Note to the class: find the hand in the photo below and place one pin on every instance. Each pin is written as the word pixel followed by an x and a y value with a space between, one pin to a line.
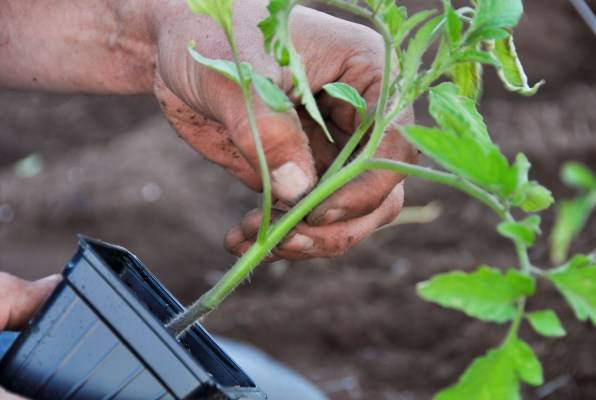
pixel 208 111
pixel 19 300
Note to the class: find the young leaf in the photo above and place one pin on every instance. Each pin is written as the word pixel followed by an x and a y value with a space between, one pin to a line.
pixel 348 94
pixel 572 216
pixel 578 176
pixel 271 95
pixel 497 374
pixel 455 112
pixel 526 363
pixel 468 77
pixel 546 323
pixel 409 24
pixel 467 156
pixel 219 10
pixel 394 17
pixel 224 67
pixel 276 34
pixel 486 293
pixel 511 70
pixel 417 46
pixel 275 28
pixel 576 281
pixel 477 56
pixel 519 232
pixel 493 19
pixel 533 197
pixel 453 26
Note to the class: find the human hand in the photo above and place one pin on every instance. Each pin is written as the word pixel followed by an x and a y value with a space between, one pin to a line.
pixel 19 300
pixel 208 111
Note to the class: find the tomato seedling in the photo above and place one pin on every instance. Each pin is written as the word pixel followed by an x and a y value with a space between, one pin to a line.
pixel 469 39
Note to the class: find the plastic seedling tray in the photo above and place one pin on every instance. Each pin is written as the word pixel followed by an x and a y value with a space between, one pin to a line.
pixel 101 335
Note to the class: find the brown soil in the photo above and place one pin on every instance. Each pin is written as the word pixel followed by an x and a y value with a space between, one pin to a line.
pixel 113 169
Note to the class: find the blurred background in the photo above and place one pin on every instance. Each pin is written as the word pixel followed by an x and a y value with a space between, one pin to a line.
pixel 111 167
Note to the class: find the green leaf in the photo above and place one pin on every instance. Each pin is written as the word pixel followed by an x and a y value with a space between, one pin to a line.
pixel 409 24
pixel 275 30
pixel 572 216
pixel 468 77
pixel 526 363
pixel 486 293
pixel 578 176
pixel 477 56
pixel 276 34
pixel 394 17
pixel 497 374
pixel 467 156
pixel 223 67
pixel 272 95
pixel 493 19
pixel 417 46
pixel 511 70
pixel 576 281
pixel 490 377
pixel 523 232
pixel 348 94
pixel 533 197
pixel 453 26
pixel 457 113
pixel 219 10
pixel 546 323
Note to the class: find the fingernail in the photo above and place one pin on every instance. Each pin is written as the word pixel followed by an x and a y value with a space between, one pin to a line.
pixel 298 242
pixel 332 215
pixel 52 279
pixel 290 181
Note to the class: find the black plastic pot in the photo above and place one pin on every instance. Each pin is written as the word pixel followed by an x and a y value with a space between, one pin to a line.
pixel 101 335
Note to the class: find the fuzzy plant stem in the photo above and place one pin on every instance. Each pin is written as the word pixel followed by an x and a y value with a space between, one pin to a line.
pixel 248 262
pixel 264 169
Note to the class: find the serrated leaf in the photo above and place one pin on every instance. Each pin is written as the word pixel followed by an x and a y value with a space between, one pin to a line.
pixel 493 19
pixel 578 176
pixel 519 232
pixel 276 34
pixel 497 374
pixel 577 283
pixel 546 323
pixel 348 94
pixel 223 67
pixel 482 163
pixel 510 69
pixel 572 216
pixel 219 10
pixel 455 112
pixel 417 46
pixel 486 293
pixel 410 23
pixel 271 95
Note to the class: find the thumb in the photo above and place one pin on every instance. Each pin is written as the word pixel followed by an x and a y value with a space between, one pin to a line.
pixel 285 144
pixel 20 299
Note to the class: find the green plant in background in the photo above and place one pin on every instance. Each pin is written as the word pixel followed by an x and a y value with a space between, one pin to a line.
pixel 469 38
pixel 573 214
